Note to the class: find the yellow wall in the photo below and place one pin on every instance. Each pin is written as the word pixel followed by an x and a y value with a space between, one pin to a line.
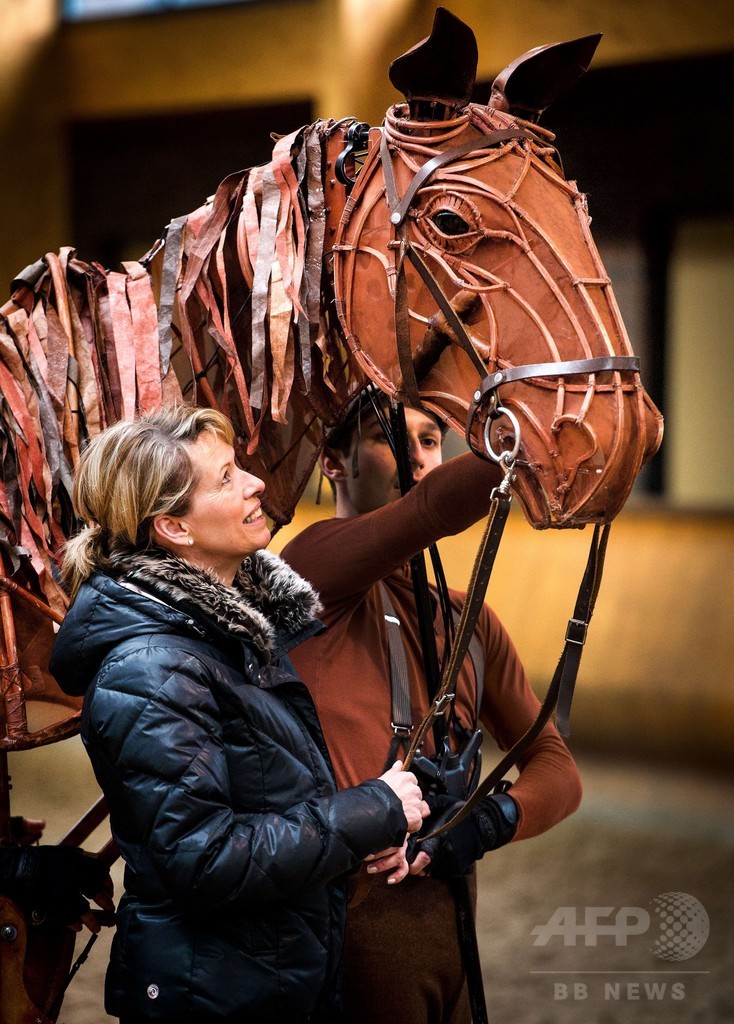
pixel 700 436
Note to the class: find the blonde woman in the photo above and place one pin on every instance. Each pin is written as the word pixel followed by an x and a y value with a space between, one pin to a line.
pixel 205 743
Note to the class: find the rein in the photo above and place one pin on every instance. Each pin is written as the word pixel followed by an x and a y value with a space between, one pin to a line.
pixel 481 572
pixel 561 688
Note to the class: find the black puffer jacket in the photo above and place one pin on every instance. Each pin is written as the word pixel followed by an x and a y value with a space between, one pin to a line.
pixel 221 796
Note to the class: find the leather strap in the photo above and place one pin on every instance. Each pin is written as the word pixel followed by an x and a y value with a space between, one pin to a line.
pixel 499 509
pixel 467 933
pixel 570 368
pixel 578 626
pixel 391 189
pixel 399 208
pixel 561 686
pixel 445 306
pixel 402 324
pixel 401 713
pixel 418 573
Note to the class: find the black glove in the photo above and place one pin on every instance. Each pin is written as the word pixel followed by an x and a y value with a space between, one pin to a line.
pixel 492 824
pixel 52 879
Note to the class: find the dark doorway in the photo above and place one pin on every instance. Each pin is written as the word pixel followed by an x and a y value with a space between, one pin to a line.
pixel 132 175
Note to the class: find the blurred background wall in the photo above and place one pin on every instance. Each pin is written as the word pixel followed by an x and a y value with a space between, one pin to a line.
pixel 112 126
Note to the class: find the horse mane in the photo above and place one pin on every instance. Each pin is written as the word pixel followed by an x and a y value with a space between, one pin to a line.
pixel 252 259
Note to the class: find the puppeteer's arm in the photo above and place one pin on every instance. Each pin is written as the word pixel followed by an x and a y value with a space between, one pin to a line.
pixel 342 557
pixel 548 787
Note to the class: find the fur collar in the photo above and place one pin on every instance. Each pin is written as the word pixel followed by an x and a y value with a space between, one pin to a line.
pixel 267 597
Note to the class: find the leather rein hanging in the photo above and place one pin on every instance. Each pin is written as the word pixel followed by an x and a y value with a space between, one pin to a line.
pixel 560 691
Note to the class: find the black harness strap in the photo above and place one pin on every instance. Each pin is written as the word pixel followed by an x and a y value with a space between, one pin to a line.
pixel 417 562
pixel 401 713
pixel 54 1007
pixel 578 626
pixel 467 932
pixel 476 654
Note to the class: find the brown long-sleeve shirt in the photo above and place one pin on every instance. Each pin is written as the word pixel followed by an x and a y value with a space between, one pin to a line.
pixel 347 667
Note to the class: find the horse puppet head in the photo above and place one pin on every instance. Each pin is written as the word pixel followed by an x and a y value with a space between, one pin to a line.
pixel 467 281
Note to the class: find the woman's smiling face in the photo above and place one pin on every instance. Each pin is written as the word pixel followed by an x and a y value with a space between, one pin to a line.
pixel 225 521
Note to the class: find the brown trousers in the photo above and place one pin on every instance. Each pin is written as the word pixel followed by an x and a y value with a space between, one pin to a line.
pixel 402 960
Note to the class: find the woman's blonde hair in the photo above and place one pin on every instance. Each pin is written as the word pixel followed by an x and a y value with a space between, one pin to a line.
pixel 129 474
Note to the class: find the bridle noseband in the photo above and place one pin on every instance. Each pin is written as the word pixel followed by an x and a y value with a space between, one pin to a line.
pixel 487 392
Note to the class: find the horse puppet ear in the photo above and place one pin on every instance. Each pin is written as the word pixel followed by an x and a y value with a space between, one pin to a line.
pixel 437 75
pixel 534 81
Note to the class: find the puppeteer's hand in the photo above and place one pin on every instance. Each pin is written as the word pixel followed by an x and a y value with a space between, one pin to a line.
pixel 421 864
pixel 93 921
pixel 405 786
pixel 55 880
pixel 492 824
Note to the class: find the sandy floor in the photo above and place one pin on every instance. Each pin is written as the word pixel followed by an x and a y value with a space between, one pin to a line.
pixel 641 833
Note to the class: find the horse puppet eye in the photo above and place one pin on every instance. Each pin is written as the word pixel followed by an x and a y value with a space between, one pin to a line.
pixel 451 222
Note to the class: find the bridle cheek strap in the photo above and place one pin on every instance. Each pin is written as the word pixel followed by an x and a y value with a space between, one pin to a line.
pixel 398 211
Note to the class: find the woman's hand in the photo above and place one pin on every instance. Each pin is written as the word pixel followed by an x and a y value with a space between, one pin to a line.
pixel 405 786
pixel 94 920
pixel 393 858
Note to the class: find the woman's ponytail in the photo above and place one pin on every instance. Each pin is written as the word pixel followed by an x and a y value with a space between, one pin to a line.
pixel 83 555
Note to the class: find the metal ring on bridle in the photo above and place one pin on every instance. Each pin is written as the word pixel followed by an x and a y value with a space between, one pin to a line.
pixel 505 457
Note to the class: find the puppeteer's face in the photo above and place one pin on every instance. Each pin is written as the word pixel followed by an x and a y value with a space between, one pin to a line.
pixel 377 483
pixel 225 521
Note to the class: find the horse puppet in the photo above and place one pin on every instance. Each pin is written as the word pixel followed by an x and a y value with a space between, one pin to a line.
pixel 443 257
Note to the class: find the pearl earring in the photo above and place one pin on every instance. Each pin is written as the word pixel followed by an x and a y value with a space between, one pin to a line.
pixel 191 540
